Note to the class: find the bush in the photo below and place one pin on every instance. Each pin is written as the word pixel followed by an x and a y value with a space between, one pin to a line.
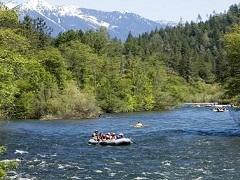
pixel 6 165
pixel 72 103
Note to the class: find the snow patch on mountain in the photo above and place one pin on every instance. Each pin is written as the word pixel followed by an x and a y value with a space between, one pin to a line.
pixel 11 5
pixel 39 5
pixel 68 11
pixel 63 18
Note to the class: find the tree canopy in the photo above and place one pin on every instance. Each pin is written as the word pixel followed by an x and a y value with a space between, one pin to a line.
pixel 78 72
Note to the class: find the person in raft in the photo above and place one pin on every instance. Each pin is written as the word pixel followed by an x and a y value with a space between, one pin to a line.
pixel 95 135
pixel 139 124
pixel 106 137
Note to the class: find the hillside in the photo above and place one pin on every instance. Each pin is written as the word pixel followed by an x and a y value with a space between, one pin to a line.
pixel 61 19
pixel 79 74
pixel 192 50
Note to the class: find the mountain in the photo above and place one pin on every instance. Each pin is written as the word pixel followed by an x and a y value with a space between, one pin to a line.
pixel 167 23
pixel 62 18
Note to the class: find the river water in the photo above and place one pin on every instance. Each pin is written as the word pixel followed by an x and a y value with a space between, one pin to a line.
pixel 186 143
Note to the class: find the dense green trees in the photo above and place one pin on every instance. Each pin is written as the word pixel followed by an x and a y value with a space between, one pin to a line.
pixel 33 73
pixel 193 50
pixel 120 79
pixel 232 46
pixel 79 74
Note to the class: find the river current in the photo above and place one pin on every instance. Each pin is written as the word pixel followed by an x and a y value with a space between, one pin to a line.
pixel 185 143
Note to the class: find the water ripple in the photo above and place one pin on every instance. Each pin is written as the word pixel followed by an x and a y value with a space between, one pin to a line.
pixel 187 143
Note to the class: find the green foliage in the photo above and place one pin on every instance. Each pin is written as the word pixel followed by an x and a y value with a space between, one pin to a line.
pixel 77 74
pixel 194 51
pixel 6 165
pixel 8 18
pixel 2 150
pixel 82 63
pixel 53 62
pixel 232 46
pixel 36 31
pixel 72 103
pixel 202 92
pixel 12 41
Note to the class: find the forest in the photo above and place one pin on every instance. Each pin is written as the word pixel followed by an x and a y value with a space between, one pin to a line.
pixel 82 74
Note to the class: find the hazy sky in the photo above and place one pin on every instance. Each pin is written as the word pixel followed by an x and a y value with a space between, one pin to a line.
pixel 156 9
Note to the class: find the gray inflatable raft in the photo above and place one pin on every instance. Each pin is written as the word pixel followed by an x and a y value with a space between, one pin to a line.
pixel 115 142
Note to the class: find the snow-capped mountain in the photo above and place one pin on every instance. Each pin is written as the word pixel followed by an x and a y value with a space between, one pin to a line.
pixel 62 18
pixel 167 23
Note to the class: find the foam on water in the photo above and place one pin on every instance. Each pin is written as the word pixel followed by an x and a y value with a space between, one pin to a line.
pixel 20 152
pixel 88 177
pixel 229 169
pixel 98 171
pixel 108 169
pixel 118 163
pixel 140 178
pixel 112 174
pixel 75 177
pixel 166 163
pixel 199 178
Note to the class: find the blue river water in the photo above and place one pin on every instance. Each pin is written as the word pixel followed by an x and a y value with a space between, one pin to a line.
pixel 185 143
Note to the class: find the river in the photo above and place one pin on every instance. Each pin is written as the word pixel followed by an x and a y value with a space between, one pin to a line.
pixel 186 143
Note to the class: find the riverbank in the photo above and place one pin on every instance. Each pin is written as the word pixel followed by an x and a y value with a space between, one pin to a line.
pixel 52 117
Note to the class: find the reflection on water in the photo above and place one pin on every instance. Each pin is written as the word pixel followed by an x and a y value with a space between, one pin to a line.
pixel 188 143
